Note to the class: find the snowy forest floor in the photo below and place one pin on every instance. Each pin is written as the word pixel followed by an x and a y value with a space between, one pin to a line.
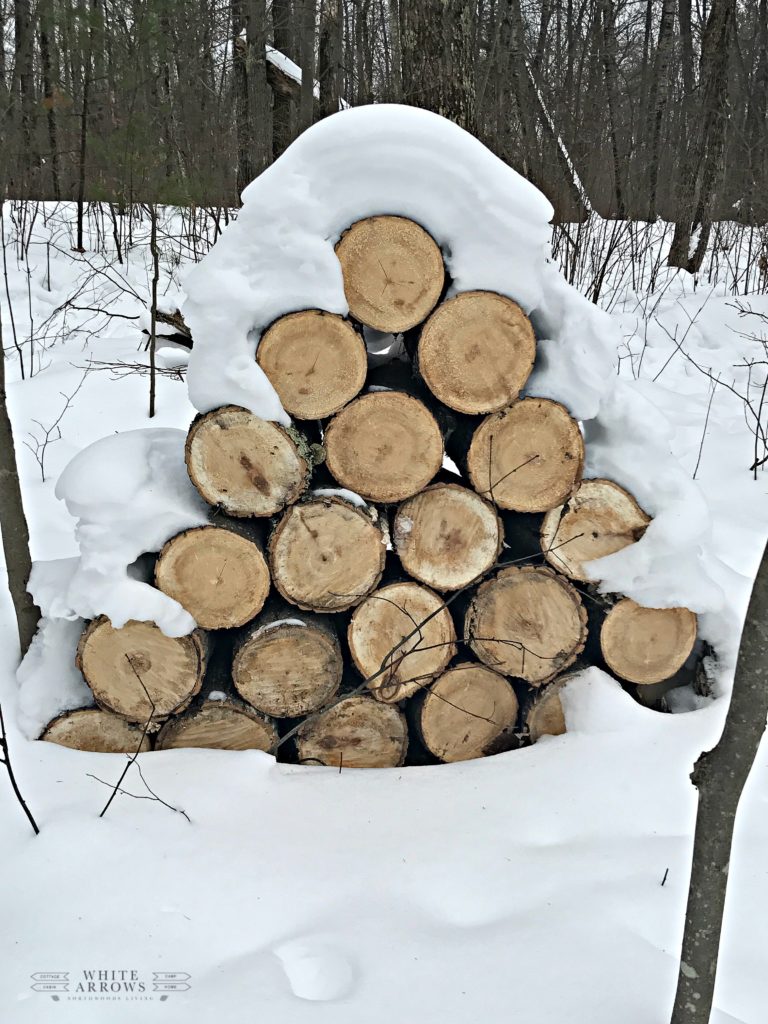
pixel 547 884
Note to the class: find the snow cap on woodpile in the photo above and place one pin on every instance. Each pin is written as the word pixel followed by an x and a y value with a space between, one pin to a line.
pixel 491 224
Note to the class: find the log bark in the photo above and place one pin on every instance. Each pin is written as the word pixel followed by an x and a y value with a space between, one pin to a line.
pixel 131 668
pixel 384 446
pixel 358 732
pixel 597 520
pixel 393 272
pixel 96 730
pixel 326 554
pixel 220 577
pixel 470 711
pixel 528 457
pixel 287 663
pixel 476 352
pixel 527 622
pixel 447 536
pixel 646 645
pixel 245 465
pixel 316 362
pixel 381 623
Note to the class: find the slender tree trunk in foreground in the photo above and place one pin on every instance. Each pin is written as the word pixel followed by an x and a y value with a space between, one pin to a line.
pixel 720 775
pixel 153 324
pixel 13 523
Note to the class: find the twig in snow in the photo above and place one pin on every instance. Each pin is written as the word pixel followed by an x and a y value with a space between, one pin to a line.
pixel 6 760
pixel 133 758
pixel 706 421
pixel 49 435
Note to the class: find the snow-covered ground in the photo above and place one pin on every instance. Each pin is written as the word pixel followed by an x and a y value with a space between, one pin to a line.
pixel 543 885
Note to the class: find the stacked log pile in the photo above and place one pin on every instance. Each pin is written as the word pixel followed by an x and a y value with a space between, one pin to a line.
pixel 362 601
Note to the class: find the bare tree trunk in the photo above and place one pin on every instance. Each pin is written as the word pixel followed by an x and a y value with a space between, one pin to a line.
pixel 438 58
pixel 704 154
pixel 282 101
pixel 249 22
pixel 13 524
pixel 307 59
pixel 659 94
pixel 24 73
pixel 329 62
pixel 720 775
pixel 608 16
pixel 81 167
pixel 49 101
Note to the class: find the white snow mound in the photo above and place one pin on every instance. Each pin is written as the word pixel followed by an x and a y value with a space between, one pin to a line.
pixel 129 493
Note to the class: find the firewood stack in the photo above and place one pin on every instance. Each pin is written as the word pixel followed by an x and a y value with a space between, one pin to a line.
pixel 358 603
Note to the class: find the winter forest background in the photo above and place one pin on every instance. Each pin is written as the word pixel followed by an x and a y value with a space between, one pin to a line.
pixel 634 108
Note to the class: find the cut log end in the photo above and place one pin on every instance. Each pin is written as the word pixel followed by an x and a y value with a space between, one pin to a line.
pixel 135 667
pixel 647 645
pixel 447 536
pixel 98 731
pixel 599 519
pixel 476 352
pixel 316 362
pixel 545 715
pixel 528 623
pixel 288 668
pixel 326 555
pixel 528 458
pixel 469 711
pixel 245 465
pixel 386 618
pixel 393 272
pixel 385 446
pixel 358 732
pixel 221 725
pixel 219 577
